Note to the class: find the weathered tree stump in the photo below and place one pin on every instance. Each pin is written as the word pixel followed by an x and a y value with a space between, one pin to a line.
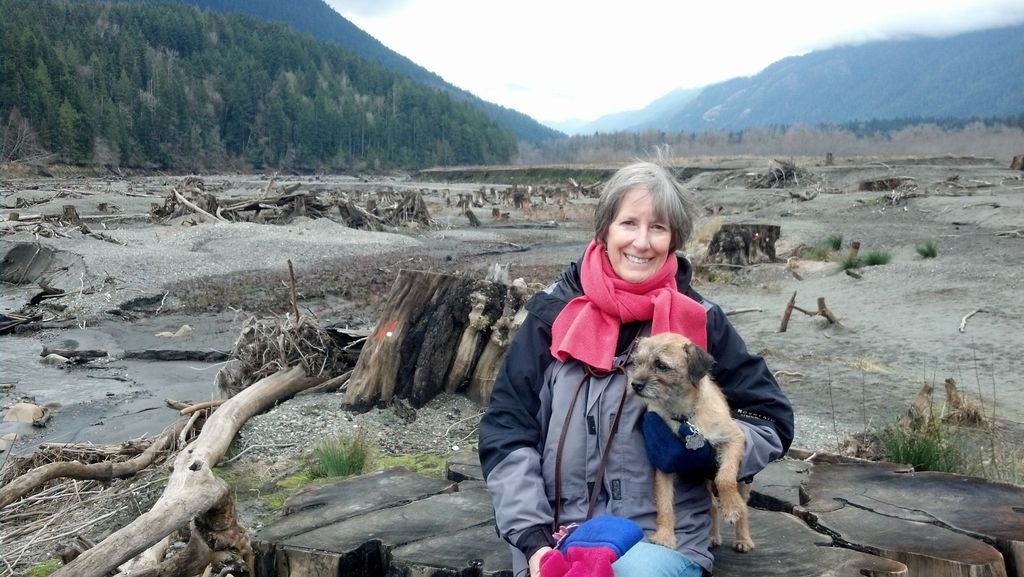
pixel 391 522
pixel 937 524
pixel 486 307
pixel 512 316
pixel 437 332
pixel 410 351
pixel 786 547
pixel 744 244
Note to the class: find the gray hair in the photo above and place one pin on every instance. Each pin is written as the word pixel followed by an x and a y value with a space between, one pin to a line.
pixel 671 201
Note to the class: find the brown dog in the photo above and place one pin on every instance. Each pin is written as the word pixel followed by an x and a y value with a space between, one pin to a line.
pixel 670 374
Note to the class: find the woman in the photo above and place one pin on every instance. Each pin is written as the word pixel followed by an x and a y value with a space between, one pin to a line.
pixel 562 427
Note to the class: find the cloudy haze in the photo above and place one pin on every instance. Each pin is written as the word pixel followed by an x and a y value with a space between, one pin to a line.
pixel 557 60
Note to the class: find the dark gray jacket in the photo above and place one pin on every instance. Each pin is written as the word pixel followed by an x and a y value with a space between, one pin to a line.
pixel 519 433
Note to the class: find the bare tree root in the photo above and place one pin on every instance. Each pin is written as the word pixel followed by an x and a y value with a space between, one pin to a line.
pixel 192 489
pixel 103 471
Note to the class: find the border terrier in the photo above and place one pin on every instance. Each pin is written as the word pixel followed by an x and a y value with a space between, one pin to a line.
pixel 670 374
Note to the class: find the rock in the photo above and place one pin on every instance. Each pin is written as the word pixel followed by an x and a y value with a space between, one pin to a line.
pixel 24 413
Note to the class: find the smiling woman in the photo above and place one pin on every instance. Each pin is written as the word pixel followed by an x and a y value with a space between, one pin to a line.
pixel 549 460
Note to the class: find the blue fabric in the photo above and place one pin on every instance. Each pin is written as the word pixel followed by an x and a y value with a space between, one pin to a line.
pixel 604 531
pixel 649 560
pixel 684 453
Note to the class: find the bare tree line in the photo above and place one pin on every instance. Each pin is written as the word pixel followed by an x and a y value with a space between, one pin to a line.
pixel 999 142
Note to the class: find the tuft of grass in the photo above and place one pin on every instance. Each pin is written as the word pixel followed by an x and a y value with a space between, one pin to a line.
pixel 929 249
pixel 877 257
pixel 822 252
pixel 851 262
pixel 45 568
pixel 835 241
pixel 341 456
pixel 931 447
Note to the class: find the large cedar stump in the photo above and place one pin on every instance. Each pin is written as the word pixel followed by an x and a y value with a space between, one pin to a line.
pixel 409 353
pixel 744 244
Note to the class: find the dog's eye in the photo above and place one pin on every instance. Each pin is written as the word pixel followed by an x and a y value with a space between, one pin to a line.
pixel 660 365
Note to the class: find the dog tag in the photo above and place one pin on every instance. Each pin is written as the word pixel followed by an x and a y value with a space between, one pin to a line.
pixel 694 440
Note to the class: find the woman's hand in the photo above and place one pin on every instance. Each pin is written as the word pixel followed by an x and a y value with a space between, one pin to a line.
pixel 683 452
pixel 535 561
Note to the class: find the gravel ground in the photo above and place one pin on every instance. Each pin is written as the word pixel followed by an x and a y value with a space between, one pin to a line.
pixel 899 322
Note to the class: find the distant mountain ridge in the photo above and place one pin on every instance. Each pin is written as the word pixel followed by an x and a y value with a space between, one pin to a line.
pixel 647 117
pixel 315 17
pixel 974 75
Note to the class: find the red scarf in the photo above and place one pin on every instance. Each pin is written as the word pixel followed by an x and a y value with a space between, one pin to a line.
pixel 587 329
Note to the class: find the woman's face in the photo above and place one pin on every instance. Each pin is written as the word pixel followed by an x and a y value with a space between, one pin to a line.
pixel 637 240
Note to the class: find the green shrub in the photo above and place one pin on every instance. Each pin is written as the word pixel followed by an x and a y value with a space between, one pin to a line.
pixel 850 262
pixel 341 456
pixel 877 257
pixel 929 249
pixel 834 241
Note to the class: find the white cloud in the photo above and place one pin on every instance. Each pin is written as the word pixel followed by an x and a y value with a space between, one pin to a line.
pixel 562 59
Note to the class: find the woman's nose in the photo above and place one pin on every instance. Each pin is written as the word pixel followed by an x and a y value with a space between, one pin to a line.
pixel 642 238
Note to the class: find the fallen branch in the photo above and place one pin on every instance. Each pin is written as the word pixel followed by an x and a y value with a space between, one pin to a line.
pixel 195 208
pixel 192 489
pixel 103 471
pixel 824 311
pixel 200 406
pixel 330 385
pixel 257 446
pixel 788 313
pixel 963 321
pixel 741 311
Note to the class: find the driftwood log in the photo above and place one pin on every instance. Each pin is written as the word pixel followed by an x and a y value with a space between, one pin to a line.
pixel 744 244
pixel 194 495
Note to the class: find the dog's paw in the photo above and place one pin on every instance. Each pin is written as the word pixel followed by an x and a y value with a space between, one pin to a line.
pixel 665 539
pixel 743 545
pixel 716 539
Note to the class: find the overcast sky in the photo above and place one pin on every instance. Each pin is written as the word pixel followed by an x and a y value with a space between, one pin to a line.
pixel 557 60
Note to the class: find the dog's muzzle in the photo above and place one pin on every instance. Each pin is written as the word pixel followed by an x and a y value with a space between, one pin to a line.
pixel 638 386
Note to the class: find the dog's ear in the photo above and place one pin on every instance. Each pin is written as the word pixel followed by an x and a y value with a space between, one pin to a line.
pixel 698 363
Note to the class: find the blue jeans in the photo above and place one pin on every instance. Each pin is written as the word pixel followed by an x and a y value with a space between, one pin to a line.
pixel 649 560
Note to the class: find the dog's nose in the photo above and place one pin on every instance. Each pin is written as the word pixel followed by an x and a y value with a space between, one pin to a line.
pixel 638 386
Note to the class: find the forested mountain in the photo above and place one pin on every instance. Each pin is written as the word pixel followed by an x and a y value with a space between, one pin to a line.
pixel 979 74
pixel 166 85
pixel 320 20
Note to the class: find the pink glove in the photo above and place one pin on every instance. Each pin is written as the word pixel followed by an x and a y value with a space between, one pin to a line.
pixel 588 550
pixel 579 562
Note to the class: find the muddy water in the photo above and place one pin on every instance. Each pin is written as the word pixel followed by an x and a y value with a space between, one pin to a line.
pixel 113 399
